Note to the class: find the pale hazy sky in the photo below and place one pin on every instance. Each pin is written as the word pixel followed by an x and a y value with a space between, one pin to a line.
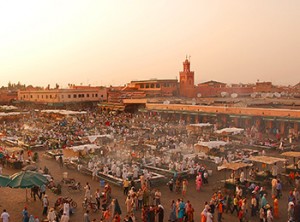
pixel 115 41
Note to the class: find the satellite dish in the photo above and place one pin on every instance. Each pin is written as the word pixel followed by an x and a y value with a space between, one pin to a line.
pixel 224 94
pixel 264 95
pixel 194 103
pixel 199 95
pixel 277 95
pixel 166 102
pixel 234 95
pixel 253 95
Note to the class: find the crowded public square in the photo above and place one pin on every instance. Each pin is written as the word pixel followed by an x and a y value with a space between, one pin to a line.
pixel 92 165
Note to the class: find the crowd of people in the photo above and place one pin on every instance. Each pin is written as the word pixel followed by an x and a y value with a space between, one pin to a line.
pixel 137 140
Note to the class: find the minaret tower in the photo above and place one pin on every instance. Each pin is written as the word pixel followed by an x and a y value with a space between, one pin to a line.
pixel 187 80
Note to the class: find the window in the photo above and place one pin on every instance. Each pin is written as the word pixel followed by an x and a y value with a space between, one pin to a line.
pixel 96 95
pixel 147 86
pixel 87 95
pixel 82 95
pixel 101 96
pixel 157 85
pixel 50 96
pixel 142 86
pixel 31 96
pixel 42 97
pixel 152 85
pixel 74 96
pixel 92 95
pixel 69 96
pixel 62 96
pixel 46 96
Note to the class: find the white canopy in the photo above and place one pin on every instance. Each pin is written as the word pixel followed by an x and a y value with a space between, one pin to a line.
pixel 64 112
pixel 10 114
pixel 84 147
pixel 94 137
pixel 201 124
pixel 212 144
pixel 5 107
pixel 232 130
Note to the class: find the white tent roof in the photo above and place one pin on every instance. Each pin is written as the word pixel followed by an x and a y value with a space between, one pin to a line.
pixel 94 137
pixel 201 124
pixel 83 147
pixel 232 130
pixel 212 144
pixel 63 112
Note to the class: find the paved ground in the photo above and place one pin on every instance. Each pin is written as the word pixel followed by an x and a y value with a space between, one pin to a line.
pixel 14 199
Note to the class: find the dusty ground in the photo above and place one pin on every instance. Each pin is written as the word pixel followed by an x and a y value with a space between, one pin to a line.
pixel 13 200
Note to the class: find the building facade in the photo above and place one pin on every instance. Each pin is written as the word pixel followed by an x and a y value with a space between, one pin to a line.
pixel 71 95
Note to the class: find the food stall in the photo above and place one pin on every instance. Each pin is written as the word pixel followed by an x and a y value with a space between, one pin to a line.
pixel 232 182
pixel 199 128
pixel 206 147
pixel 295 165
pixel 12 157
pixel 266 161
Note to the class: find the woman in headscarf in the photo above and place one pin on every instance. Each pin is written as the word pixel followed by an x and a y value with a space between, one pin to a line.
pixel 173 217
pixel 25 215
pixel 51 215
pixel 160 212
pixel 31 218
pixel 198 182
pixel 181 212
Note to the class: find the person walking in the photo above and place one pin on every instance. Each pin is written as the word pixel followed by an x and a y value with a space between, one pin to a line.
pixel 160 213
pixel 25 215
pixel 45 205
pixel 64 218
pixel 220 211
pixel 125 186
pixel 87 193
pixel 184 187
pixel 86 217
pixel 5 216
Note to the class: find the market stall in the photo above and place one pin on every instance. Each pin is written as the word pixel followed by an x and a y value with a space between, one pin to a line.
pixel 266 173
pixel 199 128
pixel 13 157
pixel 206 147
pixel 77 151
pixel 231 131
pixel 295 166
pixel 233 181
